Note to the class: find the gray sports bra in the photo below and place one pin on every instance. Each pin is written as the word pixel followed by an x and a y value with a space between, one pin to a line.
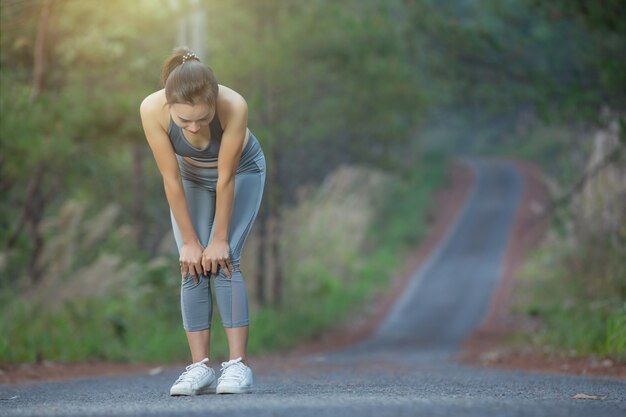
pixel 184 148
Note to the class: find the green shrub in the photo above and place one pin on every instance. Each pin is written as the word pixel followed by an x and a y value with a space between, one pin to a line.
pixel 141 320
pixel 578 291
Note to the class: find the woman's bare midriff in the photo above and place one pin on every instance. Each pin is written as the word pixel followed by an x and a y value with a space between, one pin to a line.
pixel 214 165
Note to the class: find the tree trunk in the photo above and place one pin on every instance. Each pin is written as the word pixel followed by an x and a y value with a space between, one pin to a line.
pixel 262 220
pixel 39 57
pixel 33 212
pixel 269 239
pixel 277 286
pixel 138 196
pixel 34 203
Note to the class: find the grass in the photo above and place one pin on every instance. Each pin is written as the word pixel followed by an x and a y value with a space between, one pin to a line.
pixel 575 282
pixel 579 293
pixel 142 322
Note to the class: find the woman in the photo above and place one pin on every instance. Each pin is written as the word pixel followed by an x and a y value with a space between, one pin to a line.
pixel 213 171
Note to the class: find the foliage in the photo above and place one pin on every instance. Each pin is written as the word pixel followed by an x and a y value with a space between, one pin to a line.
pixel 323 96
pixel 328 83
pixel 113 325
pixel 589 314
pixel 575 282
pixel 403 220
pixel 498 57
pixel 67 143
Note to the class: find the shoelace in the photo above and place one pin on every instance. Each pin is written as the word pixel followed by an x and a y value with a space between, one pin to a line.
pixel 232 370
pixel 188 374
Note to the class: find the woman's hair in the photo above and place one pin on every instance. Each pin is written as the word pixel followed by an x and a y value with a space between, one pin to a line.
pixel 187 80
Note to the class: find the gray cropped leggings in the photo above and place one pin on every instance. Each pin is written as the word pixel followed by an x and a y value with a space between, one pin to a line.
pixel 231 293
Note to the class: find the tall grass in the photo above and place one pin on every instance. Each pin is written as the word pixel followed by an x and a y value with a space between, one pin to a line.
pixel 578 290
pixel 340 242
pixel 575 282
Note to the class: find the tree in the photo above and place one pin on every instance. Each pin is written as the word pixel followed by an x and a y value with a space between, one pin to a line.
pixel 327 83
pixel 87 80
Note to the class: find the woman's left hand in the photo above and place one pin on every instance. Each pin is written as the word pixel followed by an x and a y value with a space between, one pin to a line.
pixel 217 255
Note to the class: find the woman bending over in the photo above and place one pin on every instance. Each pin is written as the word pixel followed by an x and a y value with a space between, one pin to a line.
pixel 213 171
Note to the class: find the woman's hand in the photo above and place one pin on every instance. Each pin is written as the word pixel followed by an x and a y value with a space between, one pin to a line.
pixel 217 254
pixel 191 260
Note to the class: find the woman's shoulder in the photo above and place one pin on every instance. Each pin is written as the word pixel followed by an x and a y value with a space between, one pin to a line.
pixel 227 96
pixel 153 107
pixel 229 101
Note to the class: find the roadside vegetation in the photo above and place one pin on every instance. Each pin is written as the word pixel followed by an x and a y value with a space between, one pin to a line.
pixel 88 264
pixel 574 283
pixel 341 244
pixel 553 70
pixel 358 105
pixel 589 315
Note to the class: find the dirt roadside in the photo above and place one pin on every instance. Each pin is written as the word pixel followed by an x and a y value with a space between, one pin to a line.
pixel 488 346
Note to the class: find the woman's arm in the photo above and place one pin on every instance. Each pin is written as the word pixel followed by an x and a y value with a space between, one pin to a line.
pixel 168 166
pixel 228 160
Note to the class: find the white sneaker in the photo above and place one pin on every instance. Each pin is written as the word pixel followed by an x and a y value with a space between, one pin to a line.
pixel 197 379
pixel 236 378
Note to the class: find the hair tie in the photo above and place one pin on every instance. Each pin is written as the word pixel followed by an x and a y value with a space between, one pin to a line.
pixel 188 56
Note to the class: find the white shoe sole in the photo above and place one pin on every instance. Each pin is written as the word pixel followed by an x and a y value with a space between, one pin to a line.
pixel 208 390
pixel 233 390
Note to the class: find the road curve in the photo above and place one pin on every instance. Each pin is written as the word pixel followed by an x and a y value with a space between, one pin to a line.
pixel 403 369
pixel 449 294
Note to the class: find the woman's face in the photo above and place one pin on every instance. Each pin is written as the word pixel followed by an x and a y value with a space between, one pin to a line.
pixel 191 117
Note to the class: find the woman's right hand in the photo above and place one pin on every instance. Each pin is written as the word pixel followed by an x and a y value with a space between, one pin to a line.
pixel 191 260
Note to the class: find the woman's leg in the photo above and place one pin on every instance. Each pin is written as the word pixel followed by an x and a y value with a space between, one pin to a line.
pixel 199 344
pixel 231 293
pixel 195 299
pixel 237 343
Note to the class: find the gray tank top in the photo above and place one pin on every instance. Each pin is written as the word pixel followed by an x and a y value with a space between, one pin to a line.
pixel 184 148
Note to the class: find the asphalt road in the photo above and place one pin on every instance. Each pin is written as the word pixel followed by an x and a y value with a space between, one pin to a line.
pixel 404 369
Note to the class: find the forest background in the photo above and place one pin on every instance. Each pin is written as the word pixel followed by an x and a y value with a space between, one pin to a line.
pixel 360 107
